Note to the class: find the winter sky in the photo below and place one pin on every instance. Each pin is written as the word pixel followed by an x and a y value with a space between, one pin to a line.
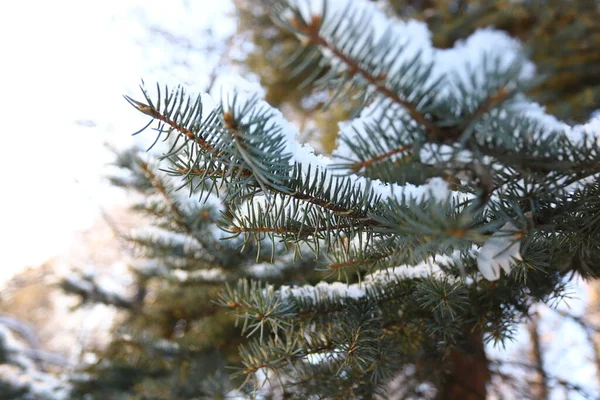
pixel 65 66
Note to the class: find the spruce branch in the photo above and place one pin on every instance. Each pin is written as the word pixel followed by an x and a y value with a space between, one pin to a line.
pixel 310 30
pixel 183 115
pixel 273 175
pixel 180 219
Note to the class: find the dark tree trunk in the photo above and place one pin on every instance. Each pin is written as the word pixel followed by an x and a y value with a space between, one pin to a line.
pixel 469 372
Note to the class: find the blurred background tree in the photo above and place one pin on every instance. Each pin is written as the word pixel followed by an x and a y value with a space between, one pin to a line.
pixel 174 341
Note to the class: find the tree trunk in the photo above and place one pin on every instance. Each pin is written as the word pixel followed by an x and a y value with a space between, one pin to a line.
pixel 541 387
pixel 469 373
pixel 593 315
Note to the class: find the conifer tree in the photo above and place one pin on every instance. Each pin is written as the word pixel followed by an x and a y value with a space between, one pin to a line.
pixel 175 340
pixel 451 205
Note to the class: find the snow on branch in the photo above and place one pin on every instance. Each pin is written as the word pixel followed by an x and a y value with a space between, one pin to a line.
pixel 90 288
pixel 410 80
pixel 453 109
pixel 20 371
pixel 428 269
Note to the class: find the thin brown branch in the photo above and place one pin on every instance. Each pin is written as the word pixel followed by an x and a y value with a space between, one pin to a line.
pixel 188 133
pixel 357 166
pixel 346 264
pixel 180 219
pixel 218 173
pixel 306 229
pixel 376 81
pixel 353 214
pixel 490 103
pixel 259 229
pixel 163 191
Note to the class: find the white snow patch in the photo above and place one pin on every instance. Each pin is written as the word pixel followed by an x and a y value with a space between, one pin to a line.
pixel 499 252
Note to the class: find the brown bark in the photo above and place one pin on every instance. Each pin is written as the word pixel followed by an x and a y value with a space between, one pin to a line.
pixel 469 373
pixel 593 315
pixel 541 387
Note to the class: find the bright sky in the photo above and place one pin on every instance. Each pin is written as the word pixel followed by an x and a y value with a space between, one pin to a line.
pixel 65 66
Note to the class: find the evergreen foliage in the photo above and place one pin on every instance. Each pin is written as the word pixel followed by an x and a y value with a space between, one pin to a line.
pixel 561 38
pixel 285 90
pixel 382 263
pixel 175 341
pixel 23 366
